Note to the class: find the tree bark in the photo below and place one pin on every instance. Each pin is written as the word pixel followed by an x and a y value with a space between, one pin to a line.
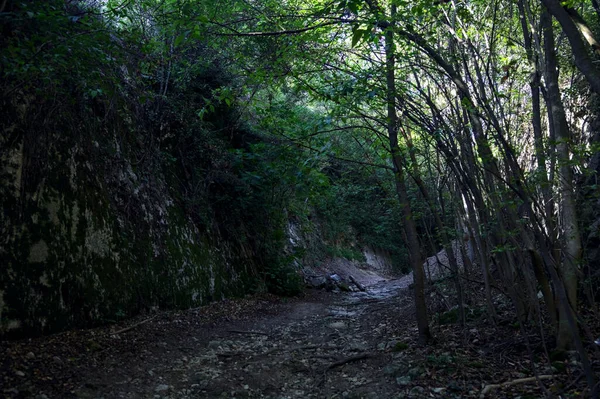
pixel 571 238
pixel 410 227
pixel 596 8
pixel 542 171
pixel 580 52
pixel 441 230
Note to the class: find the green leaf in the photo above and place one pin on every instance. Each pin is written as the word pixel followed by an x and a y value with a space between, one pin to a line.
pixel 354 6
pixel 357 35
pixel 179 40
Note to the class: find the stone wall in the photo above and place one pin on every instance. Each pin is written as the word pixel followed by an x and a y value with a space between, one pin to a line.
pixel 91 230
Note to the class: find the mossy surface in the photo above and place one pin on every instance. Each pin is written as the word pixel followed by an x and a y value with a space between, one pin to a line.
pixel 88 237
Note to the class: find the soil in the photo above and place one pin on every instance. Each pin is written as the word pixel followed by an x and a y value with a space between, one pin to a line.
pixel 323 345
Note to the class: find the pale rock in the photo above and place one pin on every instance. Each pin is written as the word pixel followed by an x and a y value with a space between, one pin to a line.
pixel 338 325
pixel 162 388
pixel 403 381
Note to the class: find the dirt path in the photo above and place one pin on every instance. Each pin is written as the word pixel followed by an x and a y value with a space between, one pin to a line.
pixel 325 345
pixel 333 347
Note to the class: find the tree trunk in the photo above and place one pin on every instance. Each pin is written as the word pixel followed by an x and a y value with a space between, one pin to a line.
pixel 440 227
pixel 570 237
pixel 596 8
pixel 542 172
pixel 580 52
pixel 410 227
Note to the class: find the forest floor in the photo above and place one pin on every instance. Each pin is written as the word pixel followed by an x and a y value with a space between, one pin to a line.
pixel 322 345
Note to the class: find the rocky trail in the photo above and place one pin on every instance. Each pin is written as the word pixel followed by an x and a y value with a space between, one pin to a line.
pixel 324 345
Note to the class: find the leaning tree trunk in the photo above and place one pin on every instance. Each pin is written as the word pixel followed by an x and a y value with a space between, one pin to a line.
pixel 580 52
pixel 410 227
pixel 440 229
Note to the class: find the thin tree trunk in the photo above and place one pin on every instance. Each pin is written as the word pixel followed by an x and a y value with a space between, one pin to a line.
pixel 440 227
pixel 596 8
pixel 410 227
pixel 542 172
pixel 571 237
pixel 580 52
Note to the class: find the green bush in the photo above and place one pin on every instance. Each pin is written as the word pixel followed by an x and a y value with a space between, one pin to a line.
pixel 346 253
pixel 283 279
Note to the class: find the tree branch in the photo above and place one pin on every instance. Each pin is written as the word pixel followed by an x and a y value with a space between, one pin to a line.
pixel 236 33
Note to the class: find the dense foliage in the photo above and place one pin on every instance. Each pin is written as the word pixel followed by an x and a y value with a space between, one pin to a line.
pixel 148 80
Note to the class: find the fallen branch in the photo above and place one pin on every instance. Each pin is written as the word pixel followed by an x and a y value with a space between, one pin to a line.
pixel 269 352
pixel 133 326
pixel 360 303
pixel 359 285
pixel 341 362
pixel 488 388
pixel 248 332
pixel 231 354
pixel 292 349
pixel 348 360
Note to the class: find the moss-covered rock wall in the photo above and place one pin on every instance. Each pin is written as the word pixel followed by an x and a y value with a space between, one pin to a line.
pixel 90 228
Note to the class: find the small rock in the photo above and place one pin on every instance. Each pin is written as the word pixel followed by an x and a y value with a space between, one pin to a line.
pixel 403 381
pixel 573 355
pixel 41 396
pixel 20 373
pixel 317 281
pixel 337 325
pixel 391 344
pixel 358 346
pixel 416 391
pixel 162 388
pixel 57 360
pixel 454 386
pixel 344 287
pixel 415 372
pixel 29 356
pixel 214 345
pixel 394 369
